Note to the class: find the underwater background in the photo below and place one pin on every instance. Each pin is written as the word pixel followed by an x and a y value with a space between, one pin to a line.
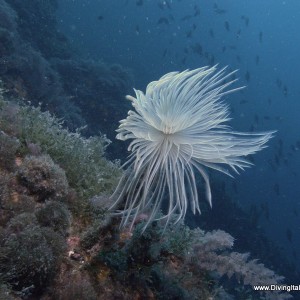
pixel 78 60
pixel 152 38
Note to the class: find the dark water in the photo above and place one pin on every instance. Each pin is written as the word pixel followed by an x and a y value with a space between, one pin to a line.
pixel 259 38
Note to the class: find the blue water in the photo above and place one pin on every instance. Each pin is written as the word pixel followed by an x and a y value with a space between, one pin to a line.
pixel 259 38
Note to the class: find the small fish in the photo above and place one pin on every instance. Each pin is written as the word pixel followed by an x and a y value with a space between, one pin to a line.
pixel 295 211
pixel 276 189
pixel 211 33
pixel 223 187
pixel 279 118
pixel 139 2
pixel 100 18
pixel 247 76
pixel 137 29
pixel 246 20
pixel 289 235
pixel 279 83
pixel 277 162
pixel 234 187
pixel 243 101
pixel 273 167
pixel 254 215
pixel 196 11
pixel 189 33
pixel 163 20
pixel 161 5
pixel 171 17
pixel 197 48
pixel 280 152
pixel 285 90
pixel 185 18
pixel 260 37
pixel 251 159
pixel 168 4
pixel 233 77
pixel 219 10
pixel 257 60
pixel 265 209
pixel 294 148
pixel 165 52
pixel 226 24
pixel 295 254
